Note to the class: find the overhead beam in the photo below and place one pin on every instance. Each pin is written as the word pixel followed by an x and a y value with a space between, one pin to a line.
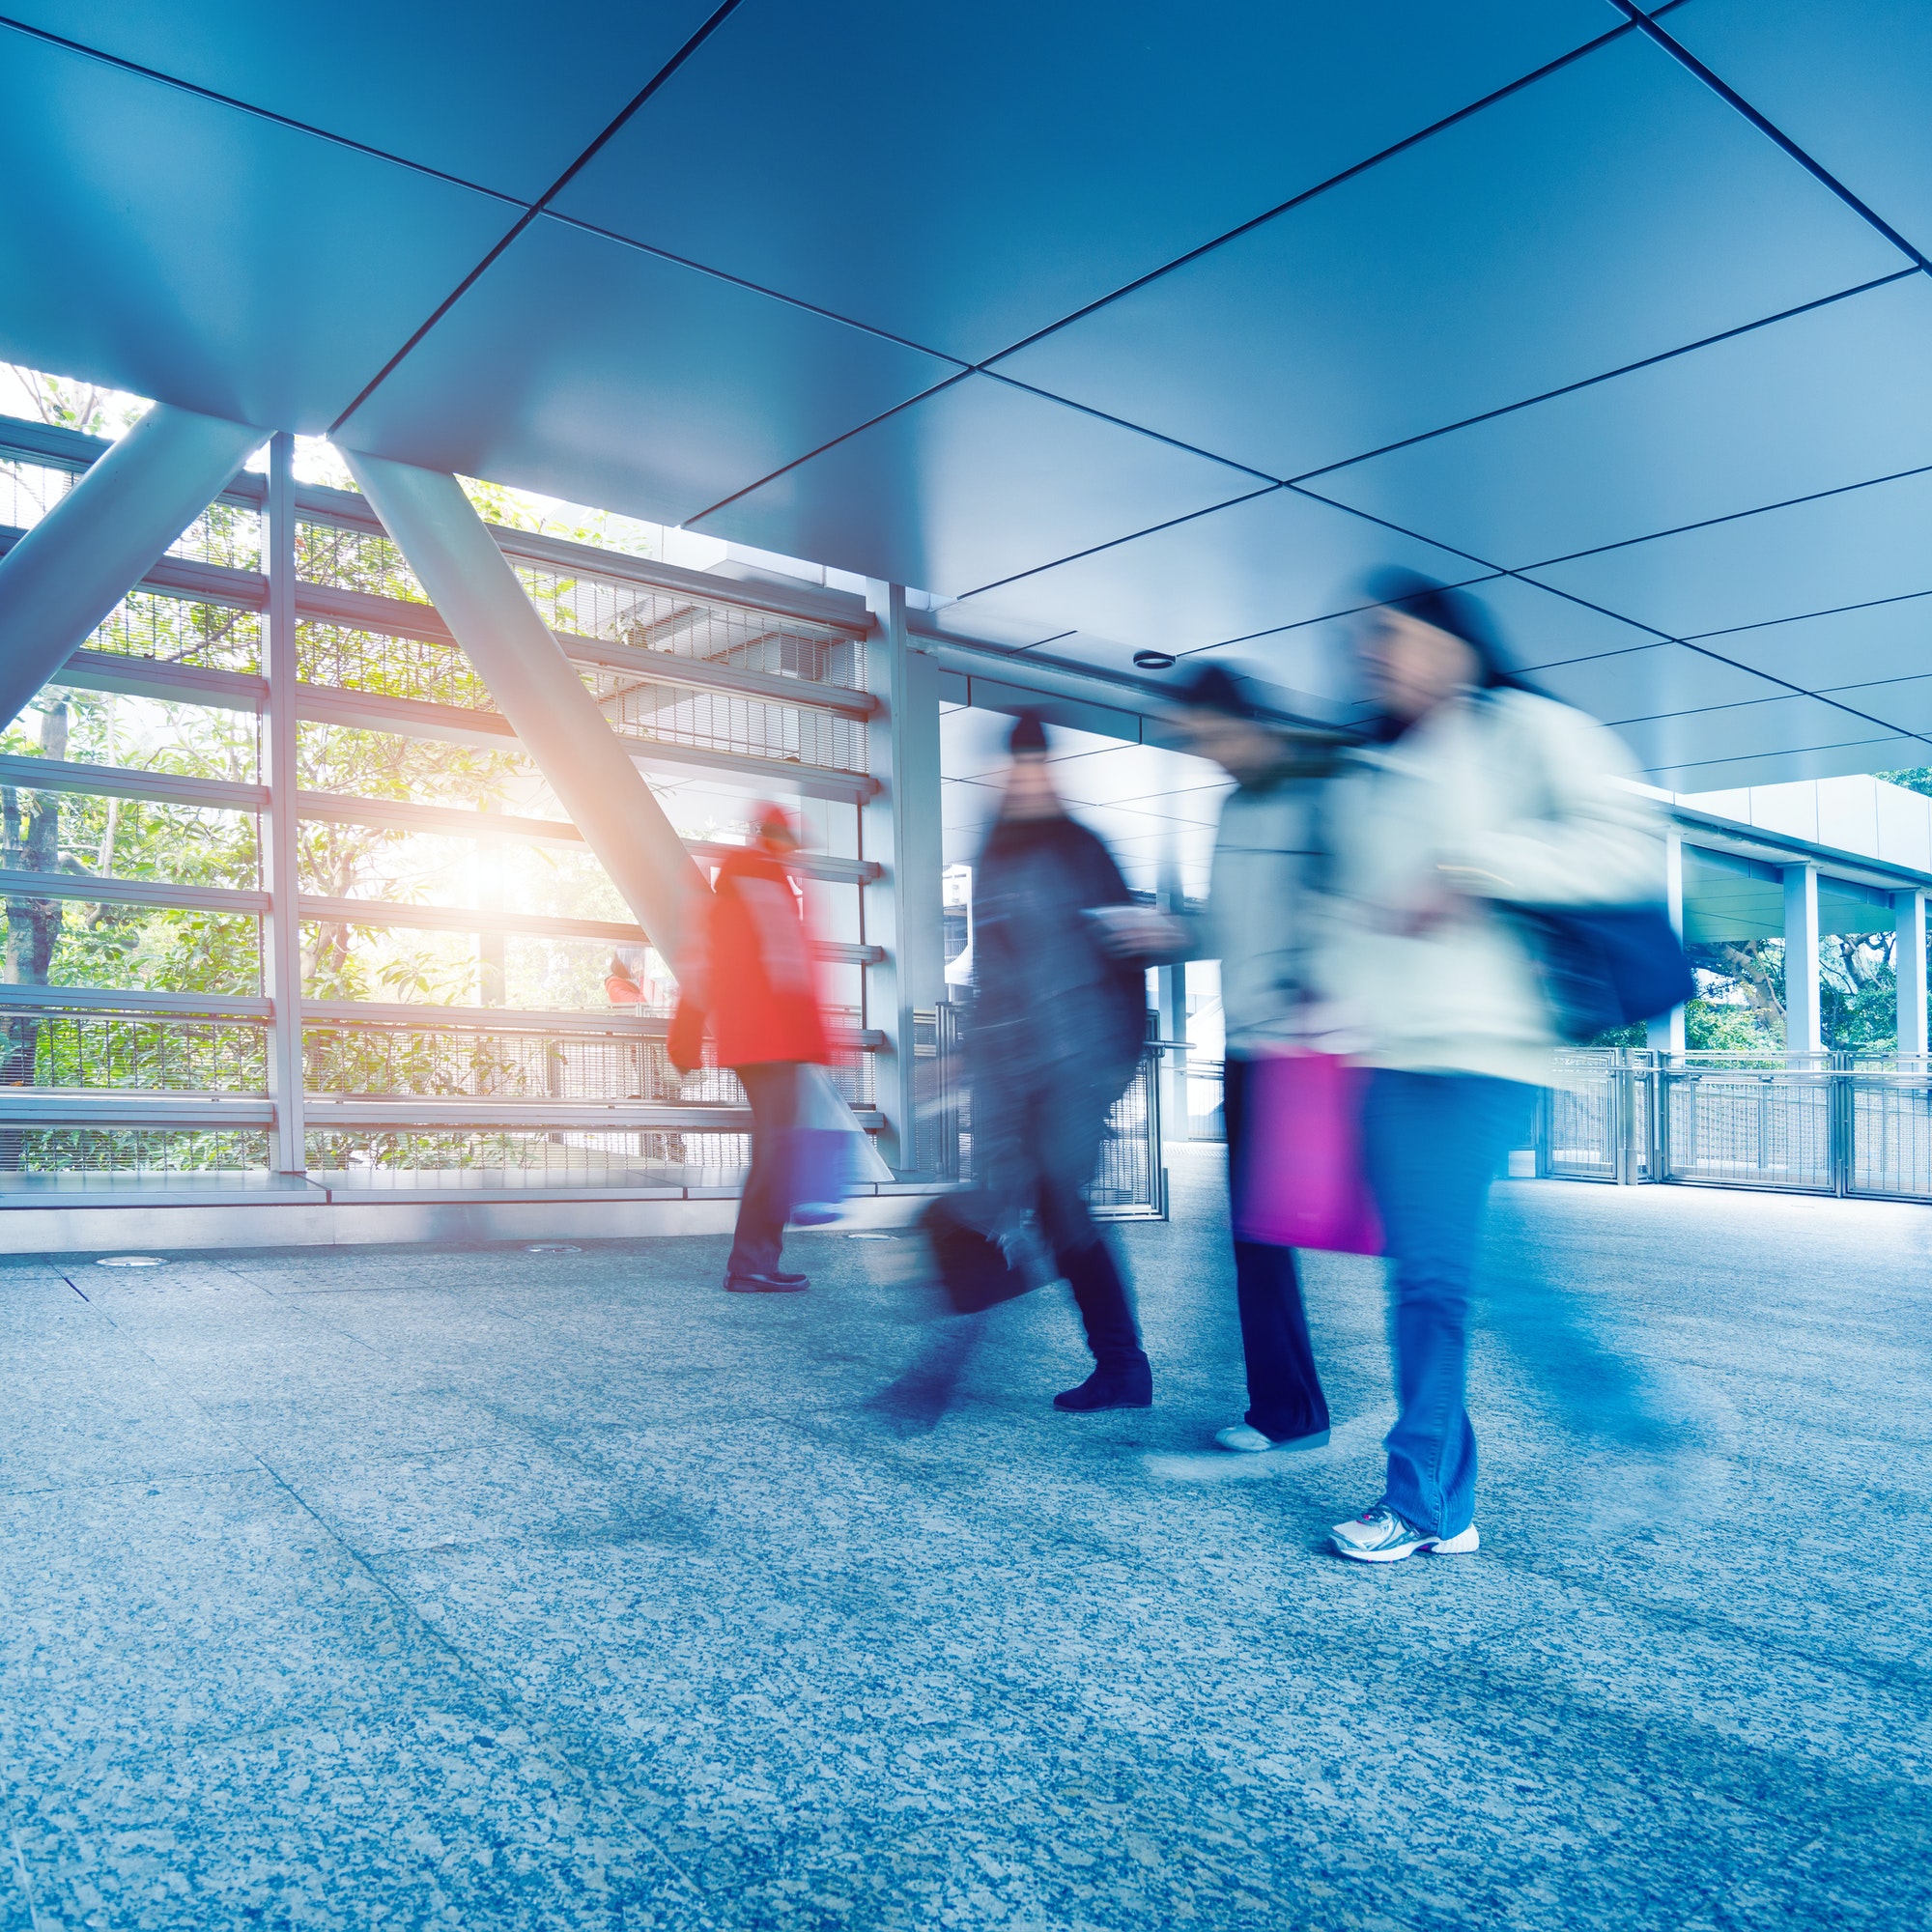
pixel 68 573
pixel 538 691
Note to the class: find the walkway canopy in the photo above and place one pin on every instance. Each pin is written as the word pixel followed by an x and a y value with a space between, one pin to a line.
pixel 1130 329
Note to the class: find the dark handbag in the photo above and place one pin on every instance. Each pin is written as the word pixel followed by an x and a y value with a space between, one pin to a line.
pixel 1605 967
pixel 973 1268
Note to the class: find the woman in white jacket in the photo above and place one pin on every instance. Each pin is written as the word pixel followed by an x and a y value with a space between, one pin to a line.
pixel 1474 795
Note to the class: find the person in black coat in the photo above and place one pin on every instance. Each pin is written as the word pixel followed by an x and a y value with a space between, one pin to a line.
pixel 1058 1027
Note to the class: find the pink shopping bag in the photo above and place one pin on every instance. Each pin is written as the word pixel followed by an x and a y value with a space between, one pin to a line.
pixel 1302 1183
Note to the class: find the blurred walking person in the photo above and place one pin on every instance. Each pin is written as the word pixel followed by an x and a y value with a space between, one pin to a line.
pixel 751 978
pixel 1474 796
pixel 1058 1022
pixel 1267 862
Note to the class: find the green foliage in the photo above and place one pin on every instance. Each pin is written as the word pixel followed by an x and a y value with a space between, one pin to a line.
pixel 1713 1026
pixel 1918 779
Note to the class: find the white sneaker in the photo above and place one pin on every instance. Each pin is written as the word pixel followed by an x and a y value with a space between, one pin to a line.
pixel 1246 1440
pixel 1378 1535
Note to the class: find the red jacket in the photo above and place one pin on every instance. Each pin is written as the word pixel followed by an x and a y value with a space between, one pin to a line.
pixel 755 982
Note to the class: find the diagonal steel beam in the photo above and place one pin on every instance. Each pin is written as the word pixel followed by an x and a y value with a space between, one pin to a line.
pixel 537 690
pixel 100 539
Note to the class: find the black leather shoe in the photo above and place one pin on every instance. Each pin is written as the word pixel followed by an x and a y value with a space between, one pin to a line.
pixel 765 1284
pixel 1128 1386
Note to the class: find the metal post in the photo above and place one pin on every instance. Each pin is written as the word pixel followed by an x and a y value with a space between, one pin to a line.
pixel 1801 1015
pixel 538 690
pixel 70 570
pixel 1171 997
pixel 1908 964
pixel 901 829
pixel 1667 1031
pixel 280 861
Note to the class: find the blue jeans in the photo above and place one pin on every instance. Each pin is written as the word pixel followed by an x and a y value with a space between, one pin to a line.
pixel 1430 1142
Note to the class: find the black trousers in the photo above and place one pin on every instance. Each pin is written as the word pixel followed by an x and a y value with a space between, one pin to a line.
pixel 1040 1144
pixel 1285 1398
pixel 766 1204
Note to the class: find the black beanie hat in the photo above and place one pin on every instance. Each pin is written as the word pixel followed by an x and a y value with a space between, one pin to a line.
pixel 1214 688
pixel 1029 735
pixel 1452 610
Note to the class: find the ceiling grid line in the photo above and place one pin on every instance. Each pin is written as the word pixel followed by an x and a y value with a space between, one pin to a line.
pixel 711 24
pixel 161 78
pixel 1309 194
pixel 1646 25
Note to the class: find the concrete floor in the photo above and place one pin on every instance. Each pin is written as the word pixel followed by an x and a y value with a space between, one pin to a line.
pixel 482 1588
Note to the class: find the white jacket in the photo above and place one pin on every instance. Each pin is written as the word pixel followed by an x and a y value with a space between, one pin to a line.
pixel 1257 920
pixel 1501 795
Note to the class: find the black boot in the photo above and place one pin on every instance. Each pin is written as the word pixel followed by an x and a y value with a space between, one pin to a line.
pixel 1122 1377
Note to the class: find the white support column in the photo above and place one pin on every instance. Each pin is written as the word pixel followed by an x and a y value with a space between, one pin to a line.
pixel 1803 1018
pixel 1667 1031
pixel 537 689
pixel 281 962
pixel 1908 964
pixel 103 536
pixel 901 829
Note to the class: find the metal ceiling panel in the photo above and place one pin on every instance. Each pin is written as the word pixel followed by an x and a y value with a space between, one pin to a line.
pixel 597 372
pixel 1853 547
pixel 1536 627
pixel 1615 209
pixel 1849 81
pixel 1865 645
pixel 1905 702
pixel 1838 395
pixel 447 88
pixel 1825 761
pixel 965 172
pixel 1280 558
pixel 1744 732
pixel 1651 681
pixel 974 484
pixel 161 243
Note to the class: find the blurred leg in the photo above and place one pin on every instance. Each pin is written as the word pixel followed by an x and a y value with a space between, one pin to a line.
pixel 1066 1133
pixel 765 1205
pixel 1285 1399
pixel 1432 1143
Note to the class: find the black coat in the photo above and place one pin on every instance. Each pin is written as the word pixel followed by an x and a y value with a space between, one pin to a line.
pixel 1050 996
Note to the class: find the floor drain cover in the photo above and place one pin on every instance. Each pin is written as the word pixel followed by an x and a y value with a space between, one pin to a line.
pixel 130 1261
pixel 553 1248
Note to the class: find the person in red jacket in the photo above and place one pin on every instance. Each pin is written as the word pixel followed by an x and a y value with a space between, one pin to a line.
pixel 753 980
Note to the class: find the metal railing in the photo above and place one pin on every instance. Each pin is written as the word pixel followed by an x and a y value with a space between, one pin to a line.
pixel 508 1097
pixel 169 1059
pixel 1838 1123
pixel 1131 1179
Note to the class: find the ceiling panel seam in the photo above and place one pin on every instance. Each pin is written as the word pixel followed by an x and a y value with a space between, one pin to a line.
pixel 1725 91
pixel 1789 688
pixel 657 80
pixel 1114 542
pixel 1128 422
pixel 1493 570
pixel 760 289
pixel 161 78
pixel 1806 616
pixel 1607 375
pixel 1308 194
pixel 844 436
pixel 1729 516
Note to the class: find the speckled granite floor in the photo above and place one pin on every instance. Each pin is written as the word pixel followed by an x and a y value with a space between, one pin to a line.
pixel 482 1588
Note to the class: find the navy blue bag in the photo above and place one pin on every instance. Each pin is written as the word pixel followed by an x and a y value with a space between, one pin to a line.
pixel 1605 967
